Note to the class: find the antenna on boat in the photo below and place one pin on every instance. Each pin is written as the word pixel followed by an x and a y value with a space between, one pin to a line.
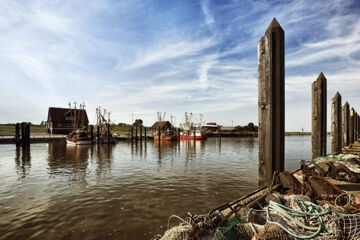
pixel 164 116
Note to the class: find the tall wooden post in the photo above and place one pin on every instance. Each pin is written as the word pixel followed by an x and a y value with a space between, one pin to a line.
pixel 271 70
pixel 141 128
pixel 17 134
pixel 194 131
pixel 92 133
pixel 132 134
pixel 345 127
pixel 356 132
pixel 318 136
pixel 351 126
pixel 136 134
pixel 22 133
pixel 336 137
pixel 159 135
pixel 98 134
pixel 145 133
pixel 27 133
pixel 108 133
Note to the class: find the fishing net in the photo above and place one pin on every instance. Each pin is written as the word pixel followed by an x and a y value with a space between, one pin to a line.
pixel 342 226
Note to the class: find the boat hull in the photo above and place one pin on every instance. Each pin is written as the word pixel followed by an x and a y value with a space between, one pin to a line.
pixel 186 137
pixel 78 142
pixel 166 138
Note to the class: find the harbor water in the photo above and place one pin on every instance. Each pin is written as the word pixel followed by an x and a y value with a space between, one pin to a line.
pixel 124 191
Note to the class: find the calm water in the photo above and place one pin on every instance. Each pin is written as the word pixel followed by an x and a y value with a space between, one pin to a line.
pixel 123 191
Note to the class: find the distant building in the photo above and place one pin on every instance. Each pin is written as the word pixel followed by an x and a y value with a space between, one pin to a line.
pixel 60 120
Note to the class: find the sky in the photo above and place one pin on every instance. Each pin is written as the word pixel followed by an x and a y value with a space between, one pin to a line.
pixel 139 57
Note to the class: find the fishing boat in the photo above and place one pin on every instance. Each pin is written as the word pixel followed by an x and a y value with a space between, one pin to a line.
pixel 103 126
pixel 166 128
pixel 79 135
pixel 191 130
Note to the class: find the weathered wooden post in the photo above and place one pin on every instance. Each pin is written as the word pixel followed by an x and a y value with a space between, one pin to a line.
pixel 318 136
pixel 194 131
pixel 141 128
pixel 356 127
pixel 136 134
pixel 336 137
pixel 159 135
pixel 108 133
pixel 271 108
pixel 351 126
pixel 98 134
pixel 132 134
pixel 145 129
pixel 27 133
pixel 17 134
pixel 92 133
pixel 345 127
pixel 22 133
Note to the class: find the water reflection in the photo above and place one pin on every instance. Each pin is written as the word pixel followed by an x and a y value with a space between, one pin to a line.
pixel 23 161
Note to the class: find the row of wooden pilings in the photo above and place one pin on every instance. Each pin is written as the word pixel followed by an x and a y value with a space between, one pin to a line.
pixel 22 134
pixel 137 137
pixel 271 110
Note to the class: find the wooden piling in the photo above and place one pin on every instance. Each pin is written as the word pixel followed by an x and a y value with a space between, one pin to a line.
pixel 194 131
pixel 345 124
pixel 136 134
pixel 17 134
pixel 27 126
pixel 271 102
pixel 92 133
pixel 351 126
pixel 141 133
pixel 336 137
pixel 318 136
pixel 132 134
pixel 98 134
pixel 108 132
pixel 356 132
pixel 159 134
pixel 145 133
pixel 22 126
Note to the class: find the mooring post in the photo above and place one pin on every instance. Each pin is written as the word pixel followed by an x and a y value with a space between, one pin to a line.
pixel 141 128
pixel 271 108
pixel 336 137
pixel 28 134
pixel 318 136
pixel 194 131
pixel 108 132
pixel 351 126
pixel 22 126
pixel 17 134
pixel 345 126
pixel 92 133
pixel 145 129
pixel 356 127
pixel 159 135
pixel 136 134
pixel 131 133
pixel 98 134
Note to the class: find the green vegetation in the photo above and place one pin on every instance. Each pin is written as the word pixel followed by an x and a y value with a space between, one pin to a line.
pixel 9 129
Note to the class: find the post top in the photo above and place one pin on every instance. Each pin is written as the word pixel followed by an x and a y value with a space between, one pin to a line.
pixel 346 104
pixel 321 76
pixel 337 94
pixel 274 24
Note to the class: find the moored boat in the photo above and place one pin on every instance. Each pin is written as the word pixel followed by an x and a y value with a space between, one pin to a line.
pixel 191 130
pixel 78 137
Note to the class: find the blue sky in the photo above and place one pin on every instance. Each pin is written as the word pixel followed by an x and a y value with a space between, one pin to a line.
pixel 142 57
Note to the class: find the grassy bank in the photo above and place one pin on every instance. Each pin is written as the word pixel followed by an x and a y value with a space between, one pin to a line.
pixel 9 129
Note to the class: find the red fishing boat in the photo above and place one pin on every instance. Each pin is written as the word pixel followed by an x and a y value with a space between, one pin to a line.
pixel 191 130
